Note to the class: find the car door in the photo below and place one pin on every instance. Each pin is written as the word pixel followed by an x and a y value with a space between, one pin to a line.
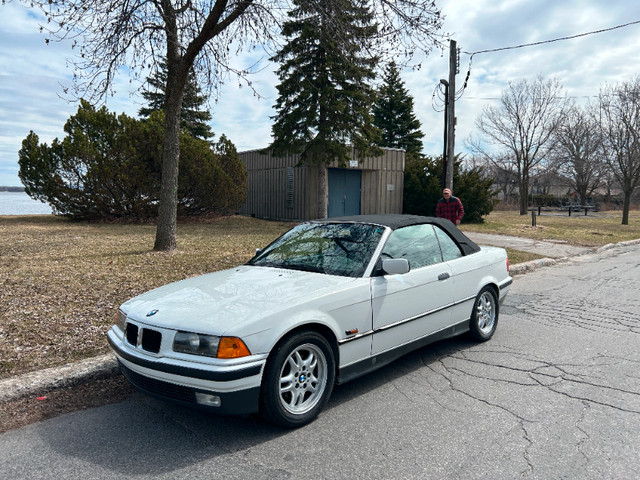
pixel 413 305
pixel 465 272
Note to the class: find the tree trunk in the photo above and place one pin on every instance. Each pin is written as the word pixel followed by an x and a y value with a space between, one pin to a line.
pixel 625 207
pixel 582 193
pixel 524 196
pixel 168 208
pixel 323 190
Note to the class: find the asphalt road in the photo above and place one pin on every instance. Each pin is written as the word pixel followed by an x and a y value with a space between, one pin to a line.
pixel 554 394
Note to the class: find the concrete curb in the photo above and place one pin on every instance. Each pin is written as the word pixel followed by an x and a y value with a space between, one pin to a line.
pixel 520 268
pixel 609 246
pixel 37 383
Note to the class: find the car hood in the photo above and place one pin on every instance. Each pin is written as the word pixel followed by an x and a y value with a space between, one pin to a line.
pixel 219 301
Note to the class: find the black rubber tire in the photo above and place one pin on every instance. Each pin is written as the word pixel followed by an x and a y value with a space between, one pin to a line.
pixel 304 363
pixel 484 316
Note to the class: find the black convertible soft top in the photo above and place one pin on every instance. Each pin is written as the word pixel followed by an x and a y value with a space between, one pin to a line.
pixel 395 221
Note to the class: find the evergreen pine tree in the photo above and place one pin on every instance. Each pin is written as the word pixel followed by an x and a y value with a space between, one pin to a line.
pixel 394 116
pixel 193 118
pixel 325 97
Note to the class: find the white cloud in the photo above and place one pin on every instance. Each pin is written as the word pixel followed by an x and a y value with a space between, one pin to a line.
pixel 31 72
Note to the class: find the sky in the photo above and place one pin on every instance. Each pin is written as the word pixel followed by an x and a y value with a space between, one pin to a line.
pixel 34 74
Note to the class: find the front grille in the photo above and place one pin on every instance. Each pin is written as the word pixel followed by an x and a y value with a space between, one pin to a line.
pixel 158 387
pixel 146 338
pixel 151 340
pixel 132 334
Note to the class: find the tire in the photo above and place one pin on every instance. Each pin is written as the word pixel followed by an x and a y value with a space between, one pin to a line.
pixel 484 317
pixel 298 380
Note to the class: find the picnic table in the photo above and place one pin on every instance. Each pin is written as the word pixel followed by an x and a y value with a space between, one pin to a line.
pixel 564 208
pixel 577 208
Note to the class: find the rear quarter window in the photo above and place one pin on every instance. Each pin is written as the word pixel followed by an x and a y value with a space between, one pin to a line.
pixel 450 249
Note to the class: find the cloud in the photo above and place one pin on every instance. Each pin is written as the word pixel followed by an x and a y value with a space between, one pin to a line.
pixel 33 75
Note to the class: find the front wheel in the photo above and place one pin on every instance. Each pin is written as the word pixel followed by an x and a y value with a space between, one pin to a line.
pixel 298 380
pixel 484 317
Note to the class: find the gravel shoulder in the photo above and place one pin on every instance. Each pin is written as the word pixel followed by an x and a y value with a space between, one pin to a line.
pixel 58 401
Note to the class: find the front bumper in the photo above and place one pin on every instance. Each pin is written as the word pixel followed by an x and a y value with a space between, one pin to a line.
pixel 235 388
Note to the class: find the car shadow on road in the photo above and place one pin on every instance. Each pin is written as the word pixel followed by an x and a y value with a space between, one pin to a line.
pixel 407 365
pixel 145 436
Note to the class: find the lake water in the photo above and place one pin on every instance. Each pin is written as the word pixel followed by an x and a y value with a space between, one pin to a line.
pixel 19 203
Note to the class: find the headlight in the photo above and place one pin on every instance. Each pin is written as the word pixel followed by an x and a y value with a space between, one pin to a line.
pixel 121 318
pixel 196 344
pixel 209 345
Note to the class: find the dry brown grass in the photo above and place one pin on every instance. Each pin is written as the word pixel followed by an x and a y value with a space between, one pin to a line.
pixel 61 282
pixel 594 230
pixel 518 256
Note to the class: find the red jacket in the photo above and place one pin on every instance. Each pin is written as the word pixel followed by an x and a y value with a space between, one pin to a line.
pixel 451 210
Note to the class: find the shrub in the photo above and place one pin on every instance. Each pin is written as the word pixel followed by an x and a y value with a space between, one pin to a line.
pixel 109 166
pixel 423 188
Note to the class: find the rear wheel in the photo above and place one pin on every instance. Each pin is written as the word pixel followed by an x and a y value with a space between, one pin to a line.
pixel 298 380
pixel 484 317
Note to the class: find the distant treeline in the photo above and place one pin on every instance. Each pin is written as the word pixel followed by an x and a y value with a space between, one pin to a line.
pixel 11 189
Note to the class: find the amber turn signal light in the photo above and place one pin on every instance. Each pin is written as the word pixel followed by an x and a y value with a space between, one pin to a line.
pixel 232 347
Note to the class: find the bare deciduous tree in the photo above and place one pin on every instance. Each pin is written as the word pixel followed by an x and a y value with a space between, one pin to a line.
pixel 499 168
pixel 522 127
pixel 620 123
pixel 112 35
pixel 577 154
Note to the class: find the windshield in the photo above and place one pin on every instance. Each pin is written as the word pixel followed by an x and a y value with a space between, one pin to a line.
pixel 343 249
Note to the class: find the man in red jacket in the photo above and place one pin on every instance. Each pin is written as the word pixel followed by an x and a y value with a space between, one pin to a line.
pixel 450 207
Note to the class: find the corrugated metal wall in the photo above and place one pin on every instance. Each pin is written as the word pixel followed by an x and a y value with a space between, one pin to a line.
pixel 280 190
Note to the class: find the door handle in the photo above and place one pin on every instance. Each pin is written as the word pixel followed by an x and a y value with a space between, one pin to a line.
pixel 443 276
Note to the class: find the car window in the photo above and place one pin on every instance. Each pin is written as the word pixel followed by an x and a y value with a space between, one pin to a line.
pixel 416 243
pixel 450 249
pixel 333 248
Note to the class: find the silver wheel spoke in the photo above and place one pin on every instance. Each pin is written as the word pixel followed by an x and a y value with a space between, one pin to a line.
pixel 311 362
pixel 295 361
pixel 296 398
pixel 286 383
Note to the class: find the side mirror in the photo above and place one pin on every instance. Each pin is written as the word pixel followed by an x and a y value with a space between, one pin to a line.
pixel 395 266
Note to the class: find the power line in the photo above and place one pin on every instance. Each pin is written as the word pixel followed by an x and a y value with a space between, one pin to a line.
pixel 566 96
pixel 542 42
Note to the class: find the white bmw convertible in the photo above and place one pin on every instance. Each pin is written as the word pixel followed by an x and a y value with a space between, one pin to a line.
pixel 326 302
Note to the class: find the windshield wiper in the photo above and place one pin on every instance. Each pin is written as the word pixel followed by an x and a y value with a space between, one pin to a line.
pixel 265 263
pixel 304 268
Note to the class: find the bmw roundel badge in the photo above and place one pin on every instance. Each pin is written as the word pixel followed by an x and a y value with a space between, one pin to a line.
pixel 152 312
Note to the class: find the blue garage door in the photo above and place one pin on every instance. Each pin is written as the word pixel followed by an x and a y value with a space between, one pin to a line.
pixel 344 192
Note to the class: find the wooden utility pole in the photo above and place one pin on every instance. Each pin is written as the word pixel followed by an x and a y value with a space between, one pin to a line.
pixel 451 113
pixel 446 137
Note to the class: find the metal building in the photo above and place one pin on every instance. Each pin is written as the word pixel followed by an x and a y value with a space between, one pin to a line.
pixel 281 190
